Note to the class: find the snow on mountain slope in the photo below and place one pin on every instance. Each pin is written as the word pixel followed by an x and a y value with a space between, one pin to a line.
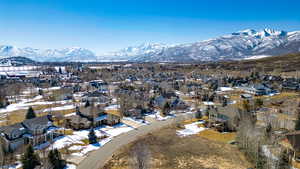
pixel 129 53
pixel 239 45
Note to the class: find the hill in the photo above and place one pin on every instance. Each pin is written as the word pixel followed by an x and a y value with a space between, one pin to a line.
pixel 16 61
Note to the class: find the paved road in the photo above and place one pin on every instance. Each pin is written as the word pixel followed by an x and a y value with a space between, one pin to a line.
pixel 97 159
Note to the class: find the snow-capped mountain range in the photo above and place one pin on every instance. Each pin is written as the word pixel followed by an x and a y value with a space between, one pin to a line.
pixel 239 45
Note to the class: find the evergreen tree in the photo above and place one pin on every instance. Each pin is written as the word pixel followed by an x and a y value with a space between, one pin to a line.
pixel 41 92
pixel 258 103
pixel 224 102
pixel 2 103
pixel 30 113
pixel 198 114
pixel 269 130
pixel 166 108
pixel 92 136
pixel 283 162
pixel 59 70
pixel 30 160
pixel 297 126
pixel 87 104
pixel 246 106
pixel 55 159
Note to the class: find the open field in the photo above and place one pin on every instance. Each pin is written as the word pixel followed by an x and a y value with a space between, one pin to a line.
pixel 169 151
pixel 283 63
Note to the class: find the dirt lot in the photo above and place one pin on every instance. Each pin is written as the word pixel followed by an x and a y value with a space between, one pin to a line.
pixel 168 151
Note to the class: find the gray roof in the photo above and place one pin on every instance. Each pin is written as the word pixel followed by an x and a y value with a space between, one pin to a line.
pixel 8 129
pixel 36 122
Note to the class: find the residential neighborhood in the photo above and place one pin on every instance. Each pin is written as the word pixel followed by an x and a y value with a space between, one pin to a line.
pixel 60 107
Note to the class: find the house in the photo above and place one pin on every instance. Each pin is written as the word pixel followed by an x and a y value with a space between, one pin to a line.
pixel 160 101
pixel 38 130
pixel 223 117
pixel 100 85
pixel 275 117
pixel 96 97
pixel 246 96
pixel 258 90
pixel 86 117
pixel 31 131
pixel 178 104
pixel 290 85
pixel 291 143
pixel 12 137
pixel 76 122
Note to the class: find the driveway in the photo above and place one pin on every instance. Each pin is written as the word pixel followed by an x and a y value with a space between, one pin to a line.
pixel 98 158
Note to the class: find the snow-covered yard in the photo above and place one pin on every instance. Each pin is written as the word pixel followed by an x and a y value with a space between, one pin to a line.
pixel 191 129
pixel 75 141
pixel 26 103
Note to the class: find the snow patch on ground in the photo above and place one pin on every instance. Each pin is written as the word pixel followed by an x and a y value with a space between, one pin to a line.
pixel 257 57
pixel 209 103
pixel 112 107
pixel 75 138
pixel 91 147
pixel 139 121
pixel 16 165
pixel 157 116
pixel 116 129
pixel 66 107
pixel 75 142
pixel 191 129
pixel 70 166
pixel 225 89
pixel 26 103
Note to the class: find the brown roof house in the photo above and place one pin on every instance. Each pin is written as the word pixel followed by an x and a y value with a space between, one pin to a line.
pixel 86 117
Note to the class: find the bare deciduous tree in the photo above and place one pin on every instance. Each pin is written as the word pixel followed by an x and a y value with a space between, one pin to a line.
pixel 140 156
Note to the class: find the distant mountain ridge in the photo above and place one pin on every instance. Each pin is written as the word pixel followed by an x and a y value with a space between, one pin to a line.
pixel 239 45
pixel 75 54
pixel 16 61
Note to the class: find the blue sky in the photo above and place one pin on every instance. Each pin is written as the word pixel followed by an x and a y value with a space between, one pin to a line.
pixel 108 25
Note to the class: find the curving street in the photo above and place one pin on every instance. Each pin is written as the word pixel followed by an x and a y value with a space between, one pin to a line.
pixel 98 158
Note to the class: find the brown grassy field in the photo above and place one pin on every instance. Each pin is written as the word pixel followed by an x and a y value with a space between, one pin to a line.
pixel 168 151
pixel 284 63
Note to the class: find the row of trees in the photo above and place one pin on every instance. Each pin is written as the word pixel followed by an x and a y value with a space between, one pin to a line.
pixel 253 140
pixel 30 159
